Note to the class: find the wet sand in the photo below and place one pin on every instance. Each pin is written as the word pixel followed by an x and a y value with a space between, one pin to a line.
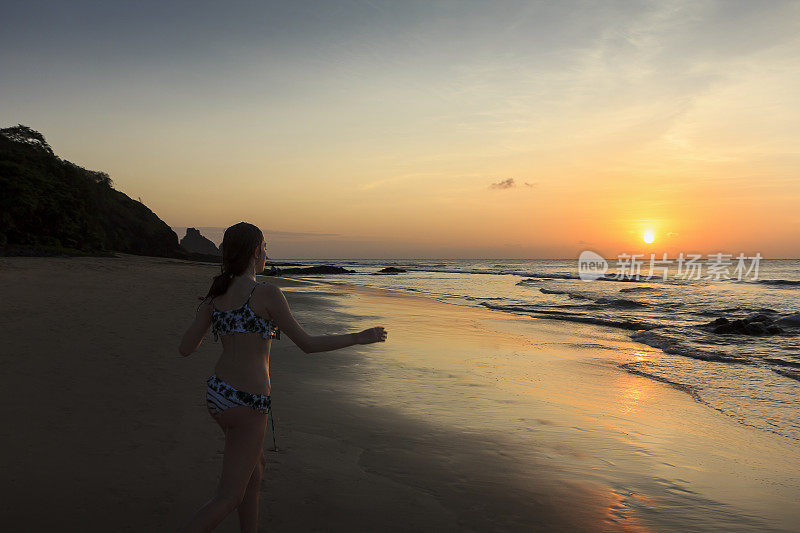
pixel 465 419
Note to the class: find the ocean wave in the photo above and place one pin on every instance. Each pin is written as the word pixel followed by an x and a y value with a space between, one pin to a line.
pixel 728 310
pixel 688 389
pixel 549 291
pixel 573 317
pixel 620 303
pixel 429 268
pixel 782 362
pixel 537 276
pixel 793 374
pixel 534 277
pixel 639 289
pixel 675 347
pixel 718 312
pixel 780 282
pixel 417 267
pixel 561 275
pixel 611 276
pixel 616 303
pixel 578 296
pixel 573 295
pixel 424 266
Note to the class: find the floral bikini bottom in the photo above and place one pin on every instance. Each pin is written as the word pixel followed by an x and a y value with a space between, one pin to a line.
pixel 221 396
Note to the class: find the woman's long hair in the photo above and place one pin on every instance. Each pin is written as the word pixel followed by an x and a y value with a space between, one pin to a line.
pixel 238 245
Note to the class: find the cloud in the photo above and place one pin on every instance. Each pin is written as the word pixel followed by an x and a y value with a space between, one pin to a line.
pixel 510 183
pixel 505 184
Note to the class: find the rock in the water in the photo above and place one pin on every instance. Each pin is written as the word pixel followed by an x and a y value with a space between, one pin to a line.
pixel 756 324
pixel 755 328
pixel 389 270
pixel 196 243
pixel 790 320
pixel 321 269
pixel 758 317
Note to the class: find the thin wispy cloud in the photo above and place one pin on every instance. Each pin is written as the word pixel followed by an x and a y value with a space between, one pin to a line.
pixel 505 184
pixel 510 184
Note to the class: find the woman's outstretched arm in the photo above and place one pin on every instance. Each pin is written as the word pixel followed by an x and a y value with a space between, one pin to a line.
pixel 279 310
pixel 197 331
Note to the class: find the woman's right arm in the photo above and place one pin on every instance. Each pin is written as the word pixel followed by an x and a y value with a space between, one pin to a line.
pixel 197 331
pixel 279 310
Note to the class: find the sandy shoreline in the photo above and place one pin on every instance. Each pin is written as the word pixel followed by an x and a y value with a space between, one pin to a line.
pixel 107 423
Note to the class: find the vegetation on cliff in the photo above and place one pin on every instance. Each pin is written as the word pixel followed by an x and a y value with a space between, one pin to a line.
pixel 50 203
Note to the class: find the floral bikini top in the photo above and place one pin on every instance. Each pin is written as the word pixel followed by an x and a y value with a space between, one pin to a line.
pixel 242 320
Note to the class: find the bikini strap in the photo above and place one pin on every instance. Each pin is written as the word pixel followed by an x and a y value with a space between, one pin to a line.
pixel 251 293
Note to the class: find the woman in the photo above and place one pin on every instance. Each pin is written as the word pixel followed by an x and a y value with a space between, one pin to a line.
pixel 247 315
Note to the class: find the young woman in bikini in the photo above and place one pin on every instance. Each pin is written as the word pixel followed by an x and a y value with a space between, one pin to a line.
pixel 247 315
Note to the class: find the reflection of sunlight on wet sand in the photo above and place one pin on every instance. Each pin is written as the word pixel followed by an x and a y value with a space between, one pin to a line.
pixel 633 391
pixel 619 511
pixel 554 395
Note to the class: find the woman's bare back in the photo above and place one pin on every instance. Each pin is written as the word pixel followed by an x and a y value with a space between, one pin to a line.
pixel 244 362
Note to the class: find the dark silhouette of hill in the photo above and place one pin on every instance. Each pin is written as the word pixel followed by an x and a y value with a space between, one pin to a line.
pixel 196 243
pixel 48 203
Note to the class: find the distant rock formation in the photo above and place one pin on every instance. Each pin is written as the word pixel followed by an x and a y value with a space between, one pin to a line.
pixel 194 242
pixel 321 269
pixel 389 270
pixel 47 203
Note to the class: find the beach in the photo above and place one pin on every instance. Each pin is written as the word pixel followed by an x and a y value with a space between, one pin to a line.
pixel 466 419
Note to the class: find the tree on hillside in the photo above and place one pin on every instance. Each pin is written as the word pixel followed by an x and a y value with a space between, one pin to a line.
pixel 26 135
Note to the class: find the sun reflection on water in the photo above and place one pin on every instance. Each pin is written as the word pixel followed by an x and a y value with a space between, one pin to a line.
pixel 633 391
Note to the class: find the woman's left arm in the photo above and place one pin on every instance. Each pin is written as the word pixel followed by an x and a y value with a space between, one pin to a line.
pixel 197 331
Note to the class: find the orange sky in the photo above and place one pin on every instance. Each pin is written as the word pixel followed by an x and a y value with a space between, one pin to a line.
pixel 378 130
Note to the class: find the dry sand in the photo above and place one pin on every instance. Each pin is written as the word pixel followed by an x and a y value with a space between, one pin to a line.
pixel 106 427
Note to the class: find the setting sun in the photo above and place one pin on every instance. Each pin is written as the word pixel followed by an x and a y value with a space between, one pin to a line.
pixel 649 236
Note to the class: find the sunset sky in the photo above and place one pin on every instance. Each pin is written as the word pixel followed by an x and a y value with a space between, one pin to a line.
pixel 429 129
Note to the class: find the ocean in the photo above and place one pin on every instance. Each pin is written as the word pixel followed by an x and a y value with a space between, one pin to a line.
pixel 748 370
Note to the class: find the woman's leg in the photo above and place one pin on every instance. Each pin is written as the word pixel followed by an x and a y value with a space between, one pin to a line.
pixel 244 440
pixel 248 509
